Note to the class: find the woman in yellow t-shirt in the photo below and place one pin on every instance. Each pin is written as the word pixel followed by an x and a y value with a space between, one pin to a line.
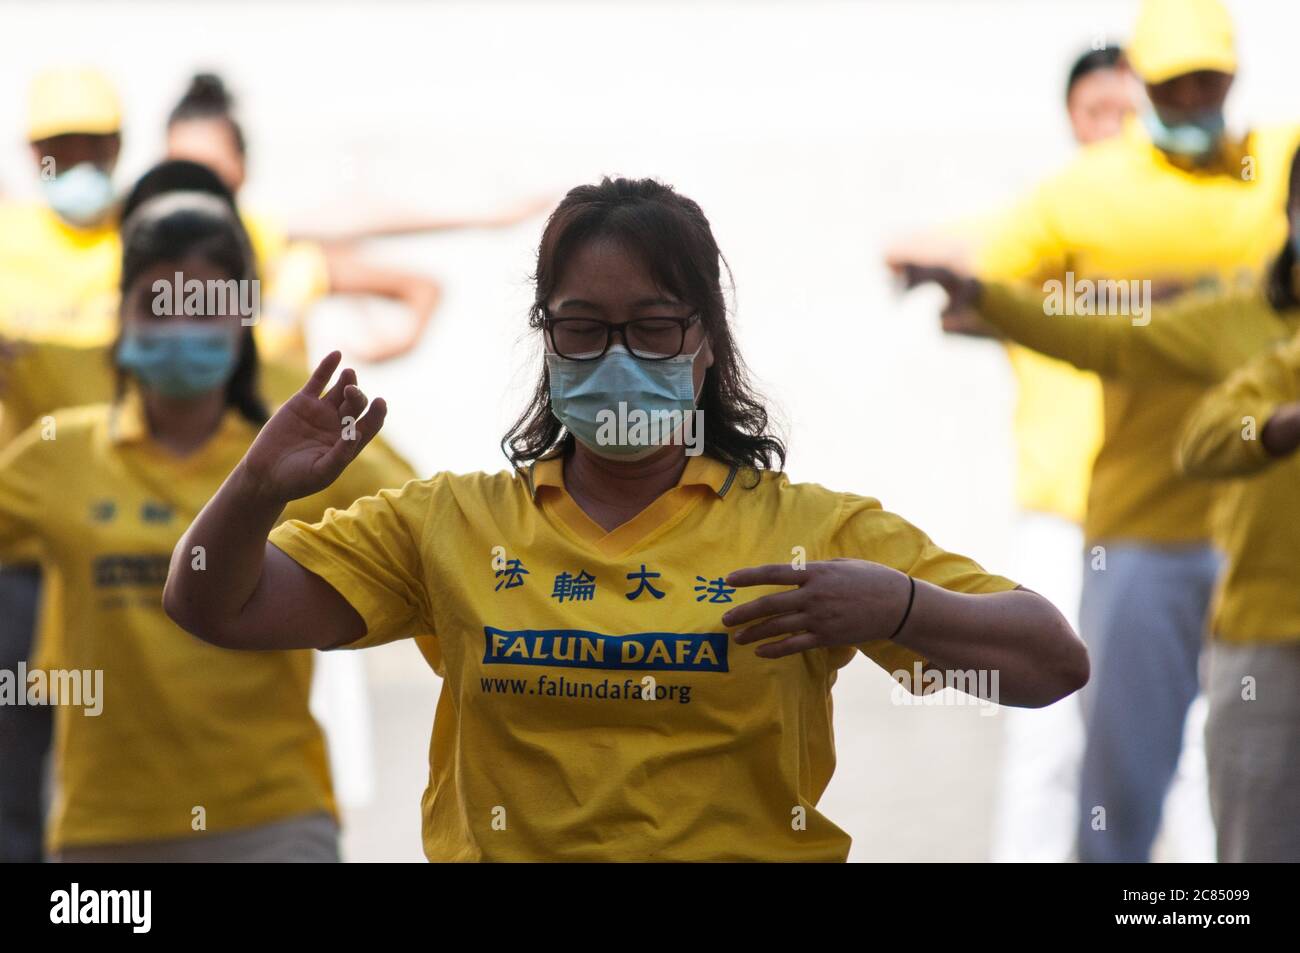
pixel 166 748
pixel 639 624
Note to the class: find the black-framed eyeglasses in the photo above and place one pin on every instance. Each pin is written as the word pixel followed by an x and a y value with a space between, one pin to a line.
pixel 647 339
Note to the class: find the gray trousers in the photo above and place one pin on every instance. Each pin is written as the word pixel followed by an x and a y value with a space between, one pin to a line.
pixel 24 729
pixel 1143 618
pixel 309 839
pixel 1252 743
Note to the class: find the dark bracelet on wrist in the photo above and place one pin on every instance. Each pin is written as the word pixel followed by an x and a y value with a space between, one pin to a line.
pixel 911 597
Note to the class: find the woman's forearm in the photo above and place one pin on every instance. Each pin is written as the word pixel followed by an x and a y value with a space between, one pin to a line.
pixel 1017 635
pixel 217 565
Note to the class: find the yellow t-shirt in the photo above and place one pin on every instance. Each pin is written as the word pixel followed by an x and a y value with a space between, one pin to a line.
pixel 45 377
pixel 551 633
pixel 184 725
pixel 1122 211
pixel 1260 591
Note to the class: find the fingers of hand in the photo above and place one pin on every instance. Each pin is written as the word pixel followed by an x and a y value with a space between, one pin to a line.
pixel 788 646
pixel 778 602
pixel 789 624
pixel 370 424
pixel 321 376
pixel 338 393
pixel 352 401
pixel 774 574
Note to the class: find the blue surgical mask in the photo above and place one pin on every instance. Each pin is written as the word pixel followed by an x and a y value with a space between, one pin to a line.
pixel 585 395
pixel 82 195
pixel 1195 138
pixel 178 360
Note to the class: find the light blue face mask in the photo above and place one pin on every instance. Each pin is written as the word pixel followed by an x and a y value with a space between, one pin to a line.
pixel 82 195
pixel 1194 138
pixel 178 360
pixel 584 395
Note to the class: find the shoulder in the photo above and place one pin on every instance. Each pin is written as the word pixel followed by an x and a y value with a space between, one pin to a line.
pixel 1098 166
pixel 21 223
pixel 475 494
pixel 1274 141
pixel 63 434
pixel 265 234
pixel 810 503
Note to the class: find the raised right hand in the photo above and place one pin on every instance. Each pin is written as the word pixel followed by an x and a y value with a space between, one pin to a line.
pixel 312 438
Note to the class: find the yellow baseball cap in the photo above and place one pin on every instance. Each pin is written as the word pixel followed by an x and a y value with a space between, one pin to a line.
pixel 72 100
pixel 1173 37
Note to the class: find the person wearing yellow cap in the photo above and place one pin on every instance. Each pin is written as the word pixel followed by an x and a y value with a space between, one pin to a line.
pixel 58 262
pixel 55 254
pixel 1178 202
pixel 638 624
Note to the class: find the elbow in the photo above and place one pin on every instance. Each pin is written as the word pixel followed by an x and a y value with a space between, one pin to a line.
pixel 185 614
pixel 1068 668
pixel 177 607
pixel 1059 668
pixel 1075 668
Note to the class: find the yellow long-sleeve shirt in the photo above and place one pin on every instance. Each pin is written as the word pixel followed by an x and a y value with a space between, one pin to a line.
pixel 1221 439
pixel 1123 211
pixel 1202 340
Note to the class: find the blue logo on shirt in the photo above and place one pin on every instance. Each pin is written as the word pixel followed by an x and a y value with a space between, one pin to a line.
pixel 574 648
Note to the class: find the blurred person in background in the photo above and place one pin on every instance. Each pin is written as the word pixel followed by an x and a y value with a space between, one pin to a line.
pixel 38 377
pixel 59 260
pixel 1246 427
pixel 576 762
pixel 203 128
pixel 189 752
pixel 1178 201
pixel 1057 429
pixel 1253 680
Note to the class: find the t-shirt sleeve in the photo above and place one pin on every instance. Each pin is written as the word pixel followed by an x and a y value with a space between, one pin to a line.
pixel 372 554
pixel 1194 336
pixel 864 530
pixel 1222 436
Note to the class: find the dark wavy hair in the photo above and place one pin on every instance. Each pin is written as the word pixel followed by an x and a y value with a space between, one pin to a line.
pixel 672 237
pixel 1280 283
pixel 173 226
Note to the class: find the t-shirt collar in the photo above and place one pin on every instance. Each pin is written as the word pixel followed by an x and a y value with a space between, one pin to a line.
pixel 700 470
